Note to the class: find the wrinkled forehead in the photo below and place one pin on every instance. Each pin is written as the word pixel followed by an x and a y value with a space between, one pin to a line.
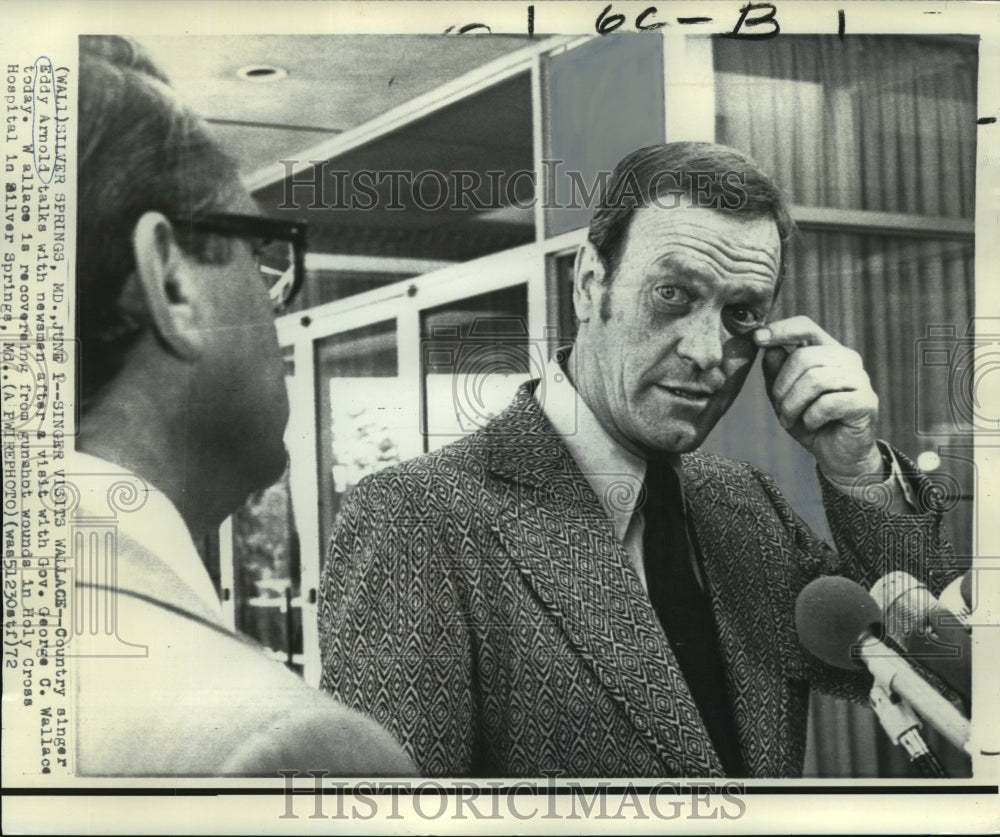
pixel 707 238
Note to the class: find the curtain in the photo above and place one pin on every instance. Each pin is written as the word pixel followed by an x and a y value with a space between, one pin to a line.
pixel 882 123
pixel 877 123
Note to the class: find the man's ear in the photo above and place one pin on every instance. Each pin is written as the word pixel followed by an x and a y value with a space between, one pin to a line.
pixel 171 294
pixel 588 282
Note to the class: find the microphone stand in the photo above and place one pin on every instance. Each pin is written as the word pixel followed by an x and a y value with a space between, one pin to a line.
pixel 902 726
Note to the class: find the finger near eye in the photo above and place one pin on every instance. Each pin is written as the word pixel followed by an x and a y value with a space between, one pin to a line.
pixel 799 330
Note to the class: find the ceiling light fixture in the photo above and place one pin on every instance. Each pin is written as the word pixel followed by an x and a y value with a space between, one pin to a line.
pixel 261 73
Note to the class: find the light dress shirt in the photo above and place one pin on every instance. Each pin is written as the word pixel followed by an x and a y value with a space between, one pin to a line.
pixel 143 514
pixel 160 685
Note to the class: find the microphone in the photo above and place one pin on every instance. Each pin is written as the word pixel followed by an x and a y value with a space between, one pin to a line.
pixel 834 618
pixel 927 631
pixel 957 597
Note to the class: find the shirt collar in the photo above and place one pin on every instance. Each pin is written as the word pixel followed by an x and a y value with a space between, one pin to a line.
pixel 614 473
pixel 143 514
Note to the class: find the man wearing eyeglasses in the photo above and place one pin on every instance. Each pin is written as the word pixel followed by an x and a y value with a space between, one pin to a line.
pixel 183 410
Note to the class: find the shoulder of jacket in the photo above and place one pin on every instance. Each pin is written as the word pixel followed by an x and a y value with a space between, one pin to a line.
pixel 705 465
pixel 450 470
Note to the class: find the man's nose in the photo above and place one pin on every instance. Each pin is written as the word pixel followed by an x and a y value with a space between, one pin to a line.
pixel 702 340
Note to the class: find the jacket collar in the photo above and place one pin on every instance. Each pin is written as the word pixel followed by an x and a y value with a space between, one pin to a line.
pixel 522 445
pixel 561 540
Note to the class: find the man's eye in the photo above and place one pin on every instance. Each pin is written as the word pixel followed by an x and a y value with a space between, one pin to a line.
pixel 745 319
pixel 671 294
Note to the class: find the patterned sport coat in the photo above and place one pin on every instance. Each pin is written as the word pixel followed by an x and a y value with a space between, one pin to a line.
pixel 477 603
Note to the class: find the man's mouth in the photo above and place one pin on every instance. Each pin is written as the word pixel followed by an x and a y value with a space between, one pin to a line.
pixel 696 395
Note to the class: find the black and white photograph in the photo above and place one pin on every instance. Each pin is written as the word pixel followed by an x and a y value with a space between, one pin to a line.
pixel 433 417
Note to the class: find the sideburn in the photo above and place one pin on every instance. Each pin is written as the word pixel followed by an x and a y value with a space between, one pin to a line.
pixel 605 309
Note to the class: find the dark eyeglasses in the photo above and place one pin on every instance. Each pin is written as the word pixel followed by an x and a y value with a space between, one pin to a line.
pixel 279 248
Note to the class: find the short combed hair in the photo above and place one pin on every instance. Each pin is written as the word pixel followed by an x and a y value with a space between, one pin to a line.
pixel 139 150
pixel 700 173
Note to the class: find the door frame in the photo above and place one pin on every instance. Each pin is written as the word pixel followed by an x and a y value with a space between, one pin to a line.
pixel 404 302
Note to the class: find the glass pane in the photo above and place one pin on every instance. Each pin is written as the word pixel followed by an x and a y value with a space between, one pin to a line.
pixel 561 316
pixel 868 122
pixel 266 568
pixel 274 258
pixel 363 412
pixel 605 99
pixel 474 354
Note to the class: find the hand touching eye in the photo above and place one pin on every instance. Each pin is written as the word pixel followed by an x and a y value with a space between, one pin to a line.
pixel 822 396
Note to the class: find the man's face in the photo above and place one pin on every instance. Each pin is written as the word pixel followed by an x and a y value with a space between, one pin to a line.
pixel 666 343
pixel 243 386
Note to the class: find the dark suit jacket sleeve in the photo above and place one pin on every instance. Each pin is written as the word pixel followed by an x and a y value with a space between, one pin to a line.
pixel 870 543
pixel 393 641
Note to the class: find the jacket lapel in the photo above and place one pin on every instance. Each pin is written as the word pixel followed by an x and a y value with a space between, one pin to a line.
pixel 564 545
pixel 740 558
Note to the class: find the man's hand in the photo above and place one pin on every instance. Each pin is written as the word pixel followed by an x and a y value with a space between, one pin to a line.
pixel 822 396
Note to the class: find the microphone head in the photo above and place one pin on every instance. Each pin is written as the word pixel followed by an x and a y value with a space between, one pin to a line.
pixel 965 586
pixel 907 605
pixel 831 616
pixel 891 586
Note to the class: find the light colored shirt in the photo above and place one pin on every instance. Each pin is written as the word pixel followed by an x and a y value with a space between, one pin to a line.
pixel 143 514
pixel 160 686
pixel 615 474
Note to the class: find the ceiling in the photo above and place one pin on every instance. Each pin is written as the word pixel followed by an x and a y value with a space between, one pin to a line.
pixel 336 83
pixel 333 83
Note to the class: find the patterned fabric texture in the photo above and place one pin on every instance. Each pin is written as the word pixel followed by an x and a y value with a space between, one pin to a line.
pixel 476 602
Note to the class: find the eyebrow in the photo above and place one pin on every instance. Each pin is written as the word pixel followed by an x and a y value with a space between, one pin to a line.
pixel 742 289
pixel 751 293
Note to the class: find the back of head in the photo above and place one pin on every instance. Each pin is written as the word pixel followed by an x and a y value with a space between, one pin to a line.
pixel 684 173
pixel 139 150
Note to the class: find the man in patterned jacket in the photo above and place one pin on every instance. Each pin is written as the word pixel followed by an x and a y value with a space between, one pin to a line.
pixel 574 588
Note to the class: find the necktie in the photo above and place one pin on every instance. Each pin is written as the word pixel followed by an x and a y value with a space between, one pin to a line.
pixel 684 609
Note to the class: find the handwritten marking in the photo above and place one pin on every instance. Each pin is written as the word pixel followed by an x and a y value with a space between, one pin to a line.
pixel 769 16
pixel 606 24
pixel 642 26
pixel 469 27
pixel 44 151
